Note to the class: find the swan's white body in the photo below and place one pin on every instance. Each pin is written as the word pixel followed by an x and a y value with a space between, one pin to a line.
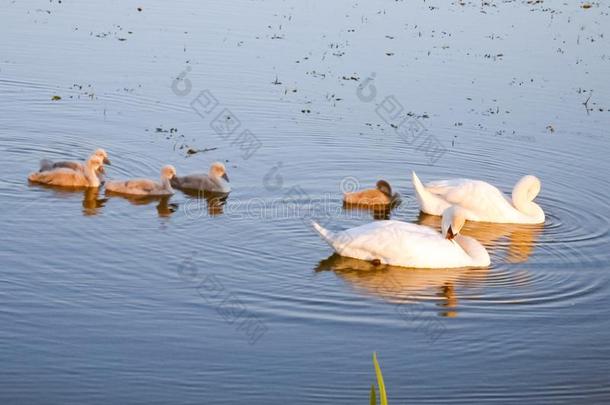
pixel 399 243
pixel 481 201
pixel 145 187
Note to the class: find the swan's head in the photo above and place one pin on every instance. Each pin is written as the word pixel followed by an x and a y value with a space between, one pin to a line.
pixel 95 162
pixel 524 193
pixel 168 172
pixel 453 221
pixel 384 187
pixel 102 154
pixel 527 187
pixel 218 170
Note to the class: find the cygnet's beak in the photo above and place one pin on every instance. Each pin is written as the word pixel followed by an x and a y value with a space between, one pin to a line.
pixel 450 234
pixel 224 176
pixel 101 170
pixel 107 161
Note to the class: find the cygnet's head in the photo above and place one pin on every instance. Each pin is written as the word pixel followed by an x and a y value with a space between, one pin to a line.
pixel 102 153
pixel 168 172
pixel 384 187
pixel 453 221
pixel 218 170
pixel 95 162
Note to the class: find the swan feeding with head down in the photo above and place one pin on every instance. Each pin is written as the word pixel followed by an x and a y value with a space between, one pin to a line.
pixel 403 244
pixel 67 177
pixel 481 201
pixel 145 187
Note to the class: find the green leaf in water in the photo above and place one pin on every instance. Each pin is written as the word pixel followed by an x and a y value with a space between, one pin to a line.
pixel 373 395
pixel 56 98
pixel 382 394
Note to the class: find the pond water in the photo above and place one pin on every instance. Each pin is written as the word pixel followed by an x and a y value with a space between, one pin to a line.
pixel 105 299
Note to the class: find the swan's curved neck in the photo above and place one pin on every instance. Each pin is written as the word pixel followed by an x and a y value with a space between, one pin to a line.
pixel 523 195
pixel 91 176
pixel 219 181
pixel 166 184
pixel 474 249
pixel 531 210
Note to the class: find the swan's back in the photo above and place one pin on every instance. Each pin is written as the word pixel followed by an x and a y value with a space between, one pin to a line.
pixel 46 164
pixel 135 186
pixel 76 166
pixel 367 197
pixel 478 197
pixel 60 177
pixel 400 244
pixel 196 181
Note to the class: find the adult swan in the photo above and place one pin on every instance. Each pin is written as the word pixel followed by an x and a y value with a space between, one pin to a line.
pixel 403 244
pixel 481 201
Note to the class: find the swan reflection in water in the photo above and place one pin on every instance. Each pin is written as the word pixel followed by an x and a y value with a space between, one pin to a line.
pixel 214 203
pixel 407 286
pixel 378 212
pixel 92 203
pixel 164 207
pixel 401 285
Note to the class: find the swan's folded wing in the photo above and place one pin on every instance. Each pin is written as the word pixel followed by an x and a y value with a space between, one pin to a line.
pixel 383 239
pixel 76 166
pixel 475 195
pixel 59 177
pixel 195 182
pixel 140 184
pixel 366 197
pixel 400 244
pixel 135 186
pixel 454 187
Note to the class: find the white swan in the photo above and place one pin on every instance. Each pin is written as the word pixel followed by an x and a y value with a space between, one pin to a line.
pixel 215 181
pixel 409 245
pixel 67 177
pixel 47 164
pixel 145 187
pixel 481 201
